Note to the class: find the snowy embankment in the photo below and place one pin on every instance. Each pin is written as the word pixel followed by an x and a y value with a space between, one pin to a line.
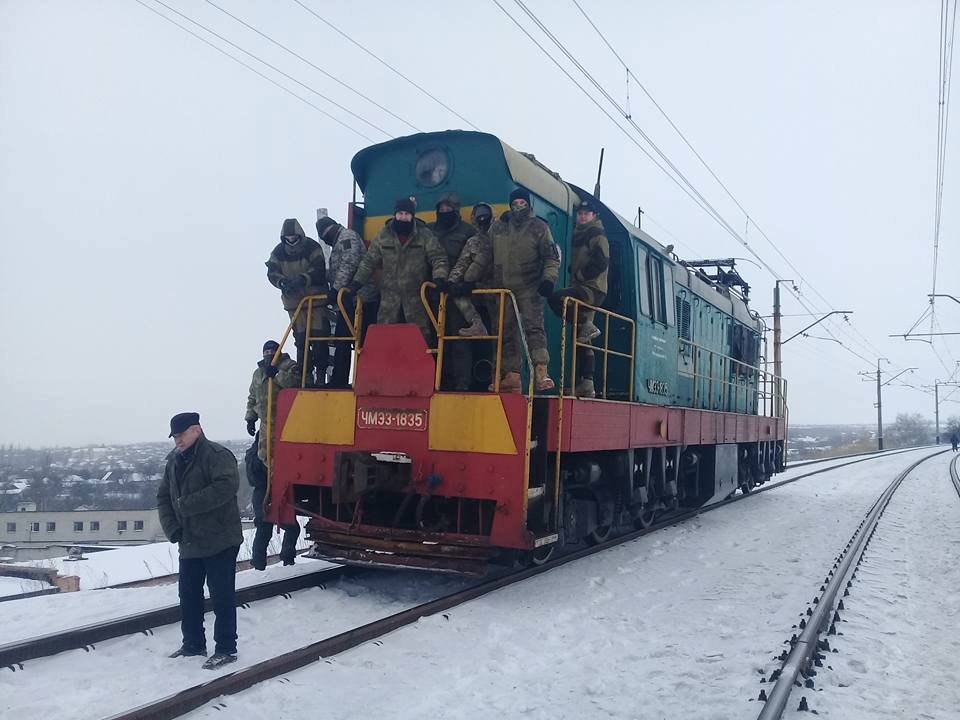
pixel 126 672
pixel 141 562
pixel 677 624
pixel 897 656
pixel 10 586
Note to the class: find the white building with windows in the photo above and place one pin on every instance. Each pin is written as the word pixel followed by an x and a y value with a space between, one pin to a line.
pixel 30 530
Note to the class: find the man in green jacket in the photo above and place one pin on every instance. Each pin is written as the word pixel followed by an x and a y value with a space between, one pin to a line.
pixel 298 268
pixel 409 255
pixel 197 504
pixel 453 234
pixel 526 262
pixel 589 263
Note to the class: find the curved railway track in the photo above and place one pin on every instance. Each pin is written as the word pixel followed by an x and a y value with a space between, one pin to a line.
pixel 803 657
pixel 189 699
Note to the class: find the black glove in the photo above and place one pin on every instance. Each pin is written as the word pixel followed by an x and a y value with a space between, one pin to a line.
pixel 251 427
pixel 284 284
pixel 270 371
pixel 175 538
pixel 354 287
pixel 295 283
pixel 442 285
pixel 461 289
pixel 546 288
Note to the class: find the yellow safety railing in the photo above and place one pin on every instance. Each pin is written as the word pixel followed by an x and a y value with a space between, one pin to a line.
pixel 354 325
pixel 742 386
pixel 575 303
pixel 439 322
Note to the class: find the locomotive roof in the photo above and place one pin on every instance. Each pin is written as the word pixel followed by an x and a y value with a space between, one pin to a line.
pixel 529 172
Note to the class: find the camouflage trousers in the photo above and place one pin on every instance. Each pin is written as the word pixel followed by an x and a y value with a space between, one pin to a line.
pixel 586 362
pixel 395 309
pixel 457 355
pixel 530 306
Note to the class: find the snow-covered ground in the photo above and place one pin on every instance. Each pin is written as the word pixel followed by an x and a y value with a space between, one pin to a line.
pixel 676 624
pixel 897 656
pixel 141 562
pixel 18 586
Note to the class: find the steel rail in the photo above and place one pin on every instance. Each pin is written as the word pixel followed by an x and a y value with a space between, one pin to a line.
pixel 888 453
pixel 184 701
pixel 954 475
pixel 14 654
pixel 800 658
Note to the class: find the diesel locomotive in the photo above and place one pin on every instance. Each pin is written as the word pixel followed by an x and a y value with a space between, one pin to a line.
pixel 397 472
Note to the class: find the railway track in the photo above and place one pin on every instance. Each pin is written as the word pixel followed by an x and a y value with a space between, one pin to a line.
pixel 189 699
pixel 13 655
pixel 799 663
pixel 872 453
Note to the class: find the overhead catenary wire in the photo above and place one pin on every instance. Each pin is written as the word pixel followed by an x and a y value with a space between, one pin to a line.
pixel 383 62
pixel 254 70
pixel 275 69
pixel 864 342
pixel 316 67
pixel 683 182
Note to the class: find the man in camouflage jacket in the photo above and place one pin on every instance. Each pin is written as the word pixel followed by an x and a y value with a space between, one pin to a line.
pixel 589 263
pixel 409 255
pixel 285 373
pixel 526 261
pixel 298 268
pixel 472 270
pixel 453 234
pixel 347 250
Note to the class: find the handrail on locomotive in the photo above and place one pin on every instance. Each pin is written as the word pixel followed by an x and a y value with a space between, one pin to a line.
pixel 354 325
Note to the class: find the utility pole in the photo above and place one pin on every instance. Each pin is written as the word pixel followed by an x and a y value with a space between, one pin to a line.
pixel 879 408
pixel 777 360
pixel 936 400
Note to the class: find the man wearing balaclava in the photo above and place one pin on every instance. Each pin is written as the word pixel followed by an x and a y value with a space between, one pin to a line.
pixel 473 270
pixel 409 255
pixel 526 261
pixel 298 268
pixel 453 233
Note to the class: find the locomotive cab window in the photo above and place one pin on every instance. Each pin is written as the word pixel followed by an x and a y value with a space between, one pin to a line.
pixel 643 282
pixel 658 305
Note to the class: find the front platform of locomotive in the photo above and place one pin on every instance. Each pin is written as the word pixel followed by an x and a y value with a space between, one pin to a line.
pixel 394 472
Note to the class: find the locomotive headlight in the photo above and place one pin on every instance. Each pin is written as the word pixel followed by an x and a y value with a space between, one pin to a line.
pixel 432 168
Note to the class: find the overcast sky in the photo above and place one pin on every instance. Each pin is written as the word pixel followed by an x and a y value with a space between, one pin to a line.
pixel 144 177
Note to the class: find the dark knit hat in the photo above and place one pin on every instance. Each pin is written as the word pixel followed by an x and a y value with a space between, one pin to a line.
pixel 588 205
pixel 271 345
pixel 182 421
pixel 405 204
pixel 520 194
pixel 324 224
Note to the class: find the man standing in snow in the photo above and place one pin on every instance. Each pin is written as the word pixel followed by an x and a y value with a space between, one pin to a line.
pixel 197 504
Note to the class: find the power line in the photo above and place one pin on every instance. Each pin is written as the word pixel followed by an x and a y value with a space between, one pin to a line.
pixel 275 69
pixel 254 70
pixel 384 63
pixel 865 342
pixel 692 192
pixel 314 66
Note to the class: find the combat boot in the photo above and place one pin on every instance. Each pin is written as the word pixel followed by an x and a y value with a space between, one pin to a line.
pixel 544 382
pixel 474 329
pixel 585 389
pixel 587 331
pixel 510 383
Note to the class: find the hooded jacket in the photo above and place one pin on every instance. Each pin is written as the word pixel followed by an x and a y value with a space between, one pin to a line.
pixel 590 256
pixel 306 260
pixel 524 253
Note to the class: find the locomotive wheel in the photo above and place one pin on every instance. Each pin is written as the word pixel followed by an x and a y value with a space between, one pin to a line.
pixel 599 534
pixel 645 518
pixel 542 554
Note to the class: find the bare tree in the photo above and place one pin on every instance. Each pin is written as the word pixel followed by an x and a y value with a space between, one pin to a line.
pixel 909 430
